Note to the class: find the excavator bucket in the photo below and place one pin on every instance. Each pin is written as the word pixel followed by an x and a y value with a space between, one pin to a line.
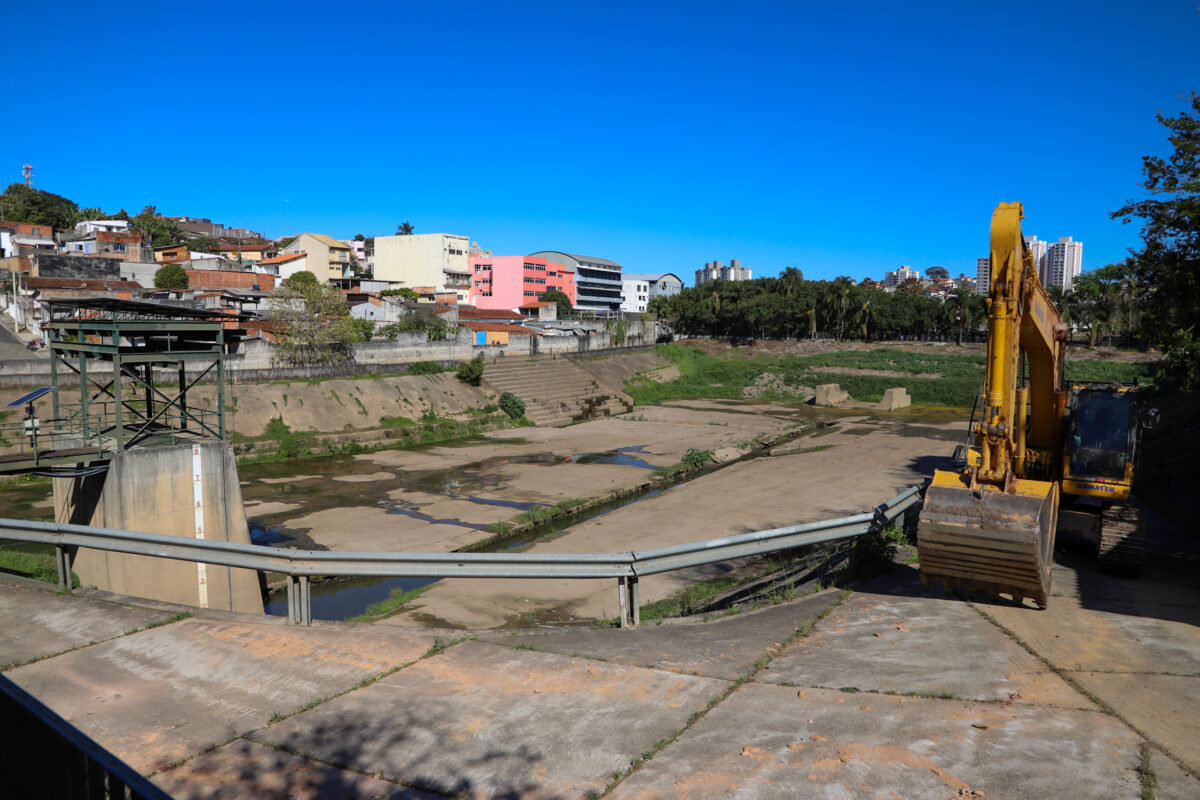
pixel 986 539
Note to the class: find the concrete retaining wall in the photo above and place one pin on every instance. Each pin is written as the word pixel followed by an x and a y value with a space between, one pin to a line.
pixel 152 490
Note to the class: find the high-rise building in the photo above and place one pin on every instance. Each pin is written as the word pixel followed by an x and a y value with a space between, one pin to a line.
pixel 983 275
pixel 894 278
pixel 1037 249
pixel 716 271
pixel 1064 262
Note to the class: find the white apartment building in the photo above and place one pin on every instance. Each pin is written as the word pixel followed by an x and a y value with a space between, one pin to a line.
pixel 983 275
pixel 894 278
pixel 1064 262
pixel 635 295
pixel 716 271
pixel 439 261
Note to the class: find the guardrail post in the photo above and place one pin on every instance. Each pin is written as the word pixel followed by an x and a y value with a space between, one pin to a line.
pixel 62 559
pixel 293 600
pixel 635 610
pixel 621 602
pixel 305 601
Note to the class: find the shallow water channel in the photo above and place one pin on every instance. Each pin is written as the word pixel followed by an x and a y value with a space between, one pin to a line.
pixel 327 483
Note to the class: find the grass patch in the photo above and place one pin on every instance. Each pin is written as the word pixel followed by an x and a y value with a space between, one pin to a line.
pixel 690 600
pixel 707 376
pixel 392 604
pixel 539 515
pixel 39 566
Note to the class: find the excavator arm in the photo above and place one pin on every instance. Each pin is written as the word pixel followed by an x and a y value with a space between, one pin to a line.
pixel 991 526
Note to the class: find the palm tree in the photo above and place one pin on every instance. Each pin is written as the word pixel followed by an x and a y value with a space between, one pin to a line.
pixel 812 322
pixel 790 278
pixel 865 315
pixel 404 229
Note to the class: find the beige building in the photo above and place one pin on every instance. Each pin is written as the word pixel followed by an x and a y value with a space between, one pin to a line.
pixel 438 260
pixel 328 258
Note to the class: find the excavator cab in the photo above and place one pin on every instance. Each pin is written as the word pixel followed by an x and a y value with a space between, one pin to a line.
pixel 1102 438
pixel 1101 442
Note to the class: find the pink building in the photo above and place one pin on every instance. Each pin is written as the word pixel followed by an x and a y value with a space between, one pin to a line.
pixel 512 281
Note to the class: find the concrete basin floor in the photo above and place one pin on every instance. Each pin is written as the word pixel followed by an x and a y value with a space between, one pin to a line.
pixel 889 690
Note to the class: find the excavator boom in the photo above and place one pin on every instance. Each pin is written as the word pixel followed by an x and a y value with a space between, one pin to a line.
pixel 991 527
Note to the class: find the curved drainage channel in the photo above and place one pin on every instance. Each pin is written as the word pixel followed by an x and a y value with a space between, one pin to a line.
pixel 342 598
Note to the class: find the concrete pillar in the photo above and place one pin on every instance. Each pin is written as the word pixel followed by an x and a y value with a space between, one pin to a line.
pixel 154 490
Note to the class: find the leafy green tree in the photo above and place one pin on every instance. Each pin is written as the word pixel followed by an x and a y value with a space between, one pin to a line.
pixel 937 272
pixel 364 329
pixel 316 329
pixel 1169 261
pixel 203 244
pixel 21 203
pixel 358 237
pixel 565 311
pixel 170 276
pixel 404 229
pixel 159 231
pixel 301 279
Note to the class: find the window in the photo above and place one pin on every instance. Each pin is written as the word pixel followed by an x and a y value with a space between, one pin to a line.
pixel 120 248
pixel 553 274
pixel 530 294
pixel 529 279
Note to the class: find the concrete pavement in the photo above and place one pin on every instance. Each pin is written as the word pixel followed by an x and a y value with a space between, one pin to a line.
pixel 887 691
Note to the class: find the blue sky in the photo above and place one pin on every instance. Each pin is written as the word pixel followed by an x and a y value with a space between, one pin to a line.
pixel 841 138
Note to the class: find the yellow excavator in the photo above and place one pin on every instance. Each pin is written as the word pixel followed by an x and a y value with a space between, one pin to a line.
pixel 1039 445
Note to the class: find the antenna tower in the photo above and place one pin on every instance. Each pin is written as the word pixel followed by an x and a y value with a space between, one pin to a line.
pixel 27 171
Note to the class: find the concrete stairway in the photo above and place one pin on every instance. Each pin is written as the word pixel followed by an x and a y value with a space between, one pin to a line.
pixel 556 392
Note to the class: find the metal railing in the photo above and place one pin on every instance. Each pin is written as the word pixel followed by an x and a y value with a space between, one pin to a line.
pixel 43 755
pixel 301 565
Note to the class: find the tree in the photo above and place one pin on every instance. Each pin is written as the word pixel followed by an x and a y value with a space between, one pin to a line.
pixel 171 276
pixel 404 229
pixel 23 203
pixel 159 231
pixel 1169 261
pixel 316 328
pixel 203 244
pixel 937 272
pixel 910 286
pixel 358 237
pixel 790 278
pixel 301 279
pixel 565 310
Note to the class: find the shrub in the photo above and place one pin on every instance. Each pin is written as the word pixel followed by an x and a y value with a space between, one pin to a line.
pixel 291 444
pixel 512 405
pixel 694 459
pixel 424 368
pixel 471 372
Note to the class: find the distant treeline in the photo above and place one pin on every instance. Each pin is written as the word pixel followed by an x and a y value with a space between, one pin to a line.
pixel 790 307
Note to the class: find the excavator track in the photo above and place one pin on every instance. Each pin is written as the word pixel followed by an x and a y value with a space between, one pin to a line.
pixel 1122 540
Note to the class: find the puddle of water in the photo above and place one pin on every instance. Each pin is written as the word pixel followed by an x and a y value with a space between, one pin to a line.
pixel 342 599
pixel 269 537
pixel 622 457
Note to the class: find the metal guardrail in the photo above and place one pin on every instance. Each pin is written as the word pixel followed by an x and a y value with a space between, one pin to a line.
pixel 301 565
pixel 43 755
